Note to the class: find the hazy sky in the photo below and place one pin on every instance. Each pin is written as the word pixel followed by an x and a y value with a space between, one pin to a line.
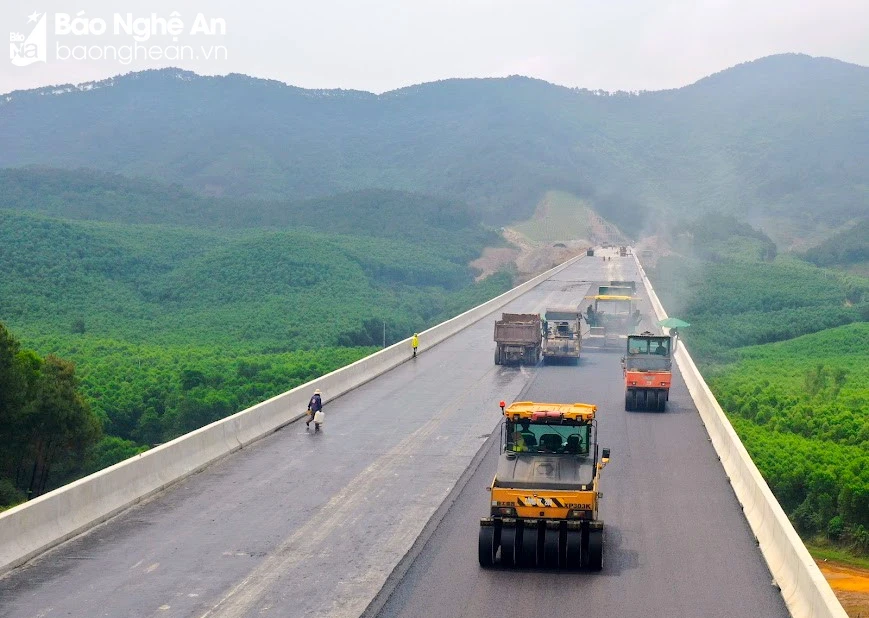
pixel 378 46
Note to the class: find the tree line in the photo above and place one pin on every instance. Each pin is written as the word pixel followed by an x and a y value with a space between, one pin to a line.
pixel 47 428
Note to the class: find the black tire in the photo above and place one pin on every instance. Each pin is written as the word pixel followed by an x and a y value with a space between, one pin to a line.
pixel 662 401
pixel 529 547
pixel 642 399
pixel 497 355
pixel 595 549
pixel 551 548
pixel 510 539
pixel 487 547
pixel 629 399
pixel 537 356
pixel 573 550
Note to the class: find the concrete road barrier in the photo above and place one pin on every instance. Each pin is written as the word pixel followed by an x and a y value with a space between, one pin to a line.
pixel 805 591
pixel 33 527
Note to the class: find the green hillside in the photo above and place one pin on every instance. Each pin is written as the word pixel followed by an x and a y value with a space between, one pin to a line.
pixel 777 141
pixel 802 409
pixel 162 285
pixel 172 327
pixel 784 345
pixel 848 249
pixel 102 196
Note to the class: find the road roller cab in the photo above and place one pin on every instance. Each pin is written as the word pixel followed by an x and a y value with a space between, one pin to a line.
pixel 544 497
pixel 648 372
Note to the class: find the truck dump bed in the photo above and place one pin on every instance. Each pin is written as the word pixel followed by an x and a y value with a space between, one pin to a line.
pixel 518 328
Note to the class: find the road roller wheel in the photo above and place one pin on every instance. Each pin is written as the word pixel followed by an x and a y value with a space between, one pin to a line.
pixel 510 538
pixel 595 549
pixel 573 550
pixel 551 548
pixel 487 546
pixel 629 399
pixel 529 546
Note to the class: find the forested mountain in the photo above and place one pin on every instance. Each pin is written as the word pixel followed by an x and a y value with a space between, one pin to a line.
pixel 851 246
pixel 304 286
pixel 104 196
pixel 777 139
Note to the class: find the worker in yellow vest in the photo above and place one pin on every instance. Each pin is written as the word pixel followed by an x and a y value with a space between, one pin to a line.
pixel 414 341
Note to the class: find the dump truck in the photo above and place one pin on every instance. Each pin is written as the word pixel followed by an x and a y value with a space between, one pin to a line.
pixel 623 251
pixel 589 251
pixel 517 338
pixel 561 334
pixel 614 313
pixel 647 368
pixel 545 494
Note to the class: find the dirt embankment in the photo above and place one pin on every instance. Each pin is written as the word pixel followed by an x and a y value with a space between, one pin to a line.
pixel 493 260
pixel 851 585
pixel 534 258
pixel 535 243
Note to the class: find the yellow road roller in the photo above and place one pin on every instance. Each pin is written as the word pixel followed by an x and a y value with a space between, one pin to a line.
pixel 544 497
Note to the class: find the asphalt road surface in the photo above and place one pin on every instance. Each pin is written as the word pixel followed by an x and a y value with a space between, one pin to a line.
pixel 676 543
pixel 300 524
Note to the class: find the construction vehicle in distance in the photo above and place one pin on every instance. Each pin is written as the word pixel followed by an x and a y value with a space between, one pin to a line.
pixel 544 497
pixel 590 251
pixel 517 338
pixel 561 334
pixel 625 288
pixel 647 368
pixel 623 251
pixel 614 313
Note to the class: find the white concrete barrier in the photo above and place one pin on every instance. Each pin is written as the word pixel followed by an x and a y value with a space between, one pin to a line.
pixel 806 593
pixel 29 529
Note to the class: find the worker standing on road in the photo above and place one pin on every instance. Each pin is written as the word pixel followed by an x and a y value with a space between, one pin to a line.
pixel 414 342
pixel 314 406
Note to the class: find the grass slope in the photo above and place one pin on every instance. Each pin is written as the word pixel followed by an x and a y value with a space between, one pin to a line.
pixel 559 216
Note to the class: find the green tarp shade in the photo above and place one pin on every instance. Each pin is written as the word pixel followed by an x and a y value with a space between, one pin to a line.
pixel 673 323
